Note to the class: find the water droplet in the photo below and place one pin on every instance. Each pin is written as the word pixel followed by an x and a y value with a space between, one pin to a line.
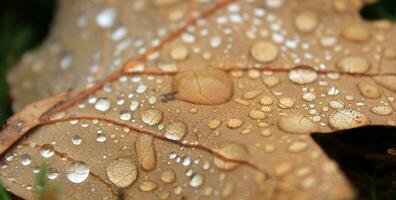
pixel 382 110
pixel 47 151
pixel 306 21
pixel 102 104
pixel 353 64
pixel 297 146
pixel 369 90
pixel 257 114
pixel 196 180
pixel 100 137
pixel 134 105
pixel 232 151
pixel 152 116
pixel 106 17
pixel 76 140
pixel 252 94
pixel 122 172
pixel 202 87
pixel 266 100
pixel 297 124
pixel 271 81
pixel 176 130
pixel 168 176
pixel 52 173
pixel 125 115
pixel 147 186
pixel 302 76
pixel 179 53
pixel 356 32
pixel 309 96
pixel 347 119
pixel 77 172
pixel 283 169
pixel 213 124
pixel 264 51
pixel 146 152
pixel 234 123
pixel 286 102
pixel 25 159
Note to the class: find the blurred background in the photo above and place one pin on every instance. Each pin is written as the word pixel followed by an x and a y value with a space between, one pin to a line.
pixel 25 23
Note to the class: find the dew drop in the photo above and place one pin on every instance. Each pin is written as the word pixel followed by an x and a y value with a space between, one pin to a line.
pixel 356 32
pixel 353 64
pixel 168 176
pixel 382 110
pixel 147 186
pixel 296 123
pixel 302 76
pixel 306 21
pixel 100 137
pixel 106 17
pixel 347 119
pixel 122 172
pixel 77 172
pixel 25 160
pixel 76 140
pixel 152 116
pixel 52 173
pixel 202 87
pixel 47 151
pixel 125 115
pixel 196 180
pixel 102 104
pixel 146 152
pixel 369 90
pixel 264 51
pixel 176 130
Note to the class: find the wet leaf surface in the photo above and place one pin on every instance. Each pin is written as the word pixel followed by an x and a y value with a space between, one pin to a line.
pixel 171 100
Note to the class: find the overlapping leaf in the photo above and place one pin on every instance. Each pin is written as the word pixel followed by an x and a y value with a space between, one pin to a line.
pixel 216 102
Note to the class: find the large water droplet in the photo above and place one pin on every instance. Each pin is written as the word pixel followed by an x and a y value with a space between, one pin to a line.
pixel 297 124
pixel 302 76
pixel 145 152
pixel 122 172
pixel 196 180
pixel 202 87
pixel 152 116
pixel 77 172
pixel 347 119
pixel 176 130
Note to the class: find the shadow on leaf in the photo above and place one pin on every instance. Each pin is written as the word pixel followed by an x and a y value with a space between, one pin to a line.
pixel 367 156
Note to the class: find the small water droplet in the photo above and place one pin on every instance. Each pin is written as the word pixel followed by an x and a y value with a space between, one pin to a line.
pixel 196 180
pixel 47 151
pixel 76 140
pixel 103 104
pixel 152 116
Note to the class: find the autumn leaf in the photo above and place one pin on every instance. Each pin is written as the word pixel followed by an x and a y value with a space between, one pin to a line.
pixel 173 99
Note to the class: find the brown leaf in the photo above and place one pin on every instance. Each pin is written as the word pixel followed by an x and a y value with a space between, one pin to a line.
pixel 198 100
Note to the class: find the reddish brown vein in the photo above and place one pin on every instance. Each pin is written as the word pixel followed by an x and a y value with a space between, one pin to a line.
pixel 65 156
pixel 160 137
